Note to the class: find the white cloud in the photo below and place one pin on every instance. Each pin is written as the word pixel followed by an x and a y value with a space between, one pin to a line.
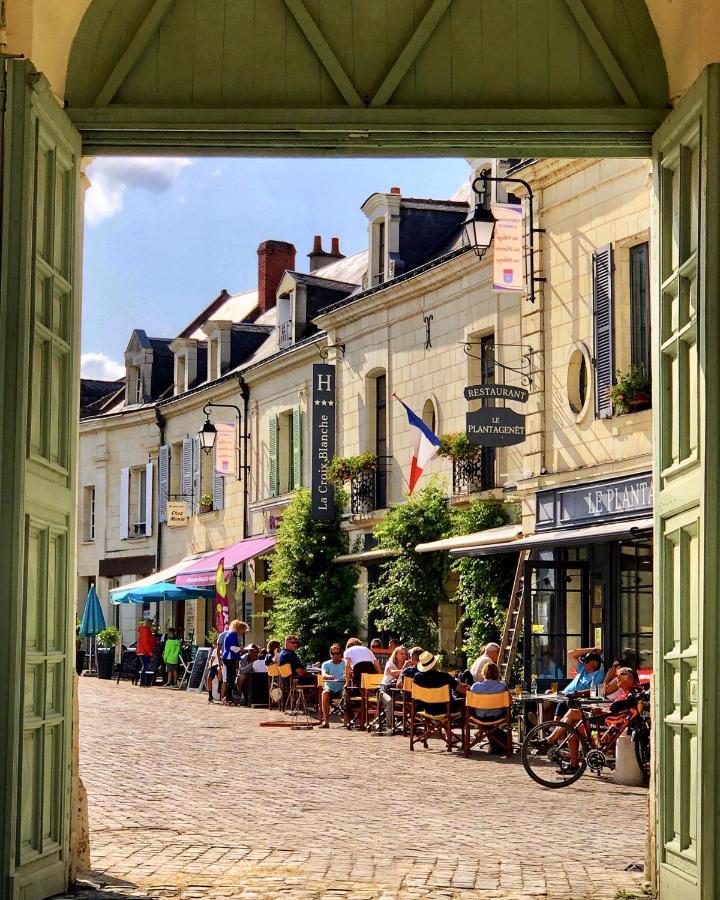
pixel 110 177
pixel 97 365
pixel 216 172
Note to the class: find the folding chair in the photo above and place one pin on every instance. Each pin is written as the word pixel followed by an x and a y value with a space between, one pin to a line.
pixel 476 729
pixel 424 726
pixel 337 705
pixel 370 699
pixel 275 689
pixel 352 697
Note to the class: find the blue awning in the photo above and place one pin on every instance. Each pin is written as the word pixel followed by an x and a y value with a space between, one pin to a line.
pixel 163 590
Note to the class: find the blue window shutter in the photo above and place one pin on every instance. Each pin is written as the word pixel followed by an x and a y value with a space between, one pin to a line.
pixel 187 474
pixel 603 322
pixel 196 471
pixel 218 487
pixel 163 481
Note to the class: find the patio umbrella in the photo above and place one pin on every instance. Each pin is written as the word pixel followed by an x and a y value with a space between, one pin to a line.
pixel 93 620
pixel 161 591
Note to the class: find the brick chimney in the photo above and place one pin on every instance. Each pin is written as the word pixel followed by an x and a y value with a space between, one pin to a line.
pixel 319 257
pixel 274 258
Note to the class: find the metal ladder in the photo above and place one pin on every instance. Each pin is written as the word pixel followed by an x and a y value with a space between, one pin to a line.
pixel 513 621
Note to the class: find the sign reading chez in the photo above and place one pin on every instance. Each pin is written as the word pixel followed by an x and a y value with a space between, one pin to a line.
pixel 495 392
pixel 601 501
pixel 176 513
pixel 495 427
pixel 322 504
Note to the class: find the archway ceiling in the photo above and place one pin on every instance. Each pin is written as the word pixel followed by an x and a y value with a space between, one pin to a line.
pixel 358 77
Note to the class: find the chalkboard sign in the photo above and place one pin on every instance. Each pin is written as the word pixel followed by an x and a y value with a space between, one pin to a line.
pixel 196 682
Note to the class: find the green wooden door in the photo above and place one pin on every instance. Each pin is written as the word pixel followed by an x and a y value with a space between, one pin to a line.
pixel 686 335
pixel 39 329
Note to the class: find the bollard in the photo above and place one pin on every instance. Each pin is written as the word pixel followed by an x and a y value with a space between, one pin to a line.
pixel 627 770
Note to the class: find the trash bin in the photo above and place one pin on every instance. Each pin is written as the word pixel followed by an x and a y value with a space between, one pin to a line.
pixel 79 661
pixel 105 662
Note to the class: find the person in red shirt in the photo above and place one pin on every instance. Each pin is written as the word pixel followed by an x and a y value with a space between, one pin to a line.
pixel 145 648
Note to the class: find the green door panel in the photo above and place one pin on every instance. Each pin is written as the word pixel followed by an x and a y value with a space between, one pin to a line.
pixel 686 336
pixel 39 328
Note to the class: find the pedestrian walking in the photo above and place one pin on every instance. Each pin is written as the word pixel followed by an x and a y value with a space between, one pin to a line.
pixel 145 649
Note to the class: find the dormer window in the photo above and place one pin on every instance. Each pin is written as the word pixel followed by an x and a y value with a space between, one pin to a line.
pixel 148 367
pixel 379 252
pixel 383 212
pixel 139 391
pixel 219 336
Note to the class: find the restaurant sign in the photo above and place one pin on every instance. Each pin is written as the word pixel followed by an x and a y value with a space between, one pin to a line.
pixel 322 493
pixel 176 513
pixel 495 392
pixel 495 427
pixel 601 501
pixel 508 253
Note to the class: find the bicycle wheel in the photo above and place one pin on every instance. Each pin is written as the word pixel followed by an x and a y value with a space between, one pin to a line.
pixel 552 763
pixel 641 739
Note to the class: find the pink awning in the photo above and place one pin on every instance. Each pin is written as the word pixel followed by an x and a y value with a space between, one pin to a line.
pixel 201 572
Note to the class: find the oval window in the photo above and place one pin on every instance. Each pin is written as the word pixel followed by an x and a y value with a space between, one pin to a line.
pixel 577 381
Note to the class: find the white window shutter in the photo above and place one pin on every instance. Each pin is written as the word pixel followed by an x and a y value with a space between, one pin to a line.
pixel 196 470
pixel 218 487
pixel 124 504
pixel 148 499
pixel 163 481
pixel 187 474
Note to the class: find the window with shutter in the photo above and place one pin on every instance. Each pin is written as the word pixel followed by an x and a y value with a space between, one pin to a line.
pixel 218 487
pixel 297 448
pixel 163 481
pixel 124 504
pixel 196 476
pixel 187 474
pixel 273 447
pixel 148 499
pixel 602 271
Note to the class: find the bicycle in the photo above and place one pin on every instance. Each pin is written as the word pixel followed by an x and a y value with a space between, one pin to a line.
pixel 588 743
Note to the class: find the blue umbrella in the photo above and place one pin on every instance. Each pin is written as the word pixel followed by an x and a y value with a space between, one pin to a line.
pixel 162 590
pixel 93 620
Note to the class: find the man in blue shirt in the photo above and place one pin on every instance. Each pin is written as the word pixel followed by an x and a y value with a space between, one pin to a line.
pixel 333 672
pixel 590 674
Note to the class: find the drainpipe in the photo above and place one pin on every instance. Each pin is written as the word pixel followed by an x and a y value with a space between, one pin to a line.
pixel 160 421
pixel 245 394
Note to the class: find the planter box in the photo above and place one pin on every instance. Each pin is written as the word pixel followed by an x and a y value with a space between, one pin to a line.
pixel 79 661
pixel 105 662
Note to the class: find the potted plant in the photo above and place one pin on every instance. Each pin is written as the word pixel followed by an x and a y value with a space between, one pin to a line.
pixel 457 447
pixel 631 390
pixel 346 468
pixel 466 462
pixel 106 641
pixel 206 503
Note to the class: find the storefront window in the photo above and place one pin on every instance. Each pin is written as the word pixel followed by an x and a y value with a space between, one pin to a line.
pixel 636 614
pixel 556 613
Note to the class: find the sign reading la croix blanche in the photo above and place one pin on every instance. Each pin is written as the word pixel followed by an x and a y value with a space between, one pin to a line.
pixel 322 493
pixel 495 426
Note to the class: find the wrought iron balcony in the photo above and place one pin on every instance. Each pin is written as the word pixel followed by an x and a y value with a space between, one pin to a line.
pixel 285 334
pixel 368 491
pixel 474 474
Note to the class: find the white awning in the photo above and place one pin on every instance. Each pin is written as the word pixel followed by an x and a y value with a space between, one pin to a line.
pixel 476 539
pixel 366 556
pixel 156 577
pixel 611 531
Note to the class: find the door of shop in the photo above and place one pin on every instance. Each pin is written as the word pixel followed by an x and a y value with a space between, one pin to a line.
pixel 557 618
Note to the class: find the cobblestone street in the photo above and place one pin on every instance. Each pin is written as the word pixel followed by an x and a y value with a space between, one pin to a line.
pixel 190 800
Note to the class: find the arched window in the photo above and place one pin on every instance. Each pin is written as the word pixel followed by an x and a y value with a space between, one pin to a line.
pixel 428 415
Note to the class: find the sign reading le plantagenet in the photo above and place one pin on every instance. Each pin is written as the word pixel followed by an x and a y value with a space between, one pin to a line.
pixel 495 427
pixel 322 505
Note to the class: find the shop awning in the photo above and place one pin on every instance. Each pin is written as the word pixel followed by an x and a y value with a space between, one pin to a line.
pixel 161 591
pixel 163 575
pixel 202 571
pixel 610 531
pixel 366 556
pixel 477 539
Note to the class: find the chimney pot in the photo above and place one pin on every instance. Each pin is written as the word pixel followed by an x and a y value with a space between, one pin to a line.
pixel 274 259
pixel 317 244
pixel 394 190
pixel 335 251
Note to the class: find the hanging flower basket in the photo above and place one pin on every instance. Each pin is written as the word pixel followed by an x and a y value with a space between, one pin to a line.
pixel 631 390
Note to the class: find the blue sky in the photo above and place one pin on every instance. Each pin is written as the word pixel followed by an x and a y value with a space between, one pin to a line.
pixel 164 236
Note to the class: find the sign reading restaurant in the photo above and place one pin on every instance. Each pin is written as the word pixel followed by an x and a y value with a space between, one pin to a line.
pixel 601 501
pixel 322 502
pixel 495 426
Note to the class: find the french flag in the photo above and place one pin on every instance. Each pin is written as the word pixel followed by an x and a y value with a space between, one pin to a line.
pixel 425 445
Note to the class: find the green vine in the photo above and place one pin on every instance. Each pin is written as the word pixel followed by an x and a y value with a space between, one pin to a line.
pixel 342 468
pixel 456 446
pixel 405 599
pixel 312 597
pixel 631 389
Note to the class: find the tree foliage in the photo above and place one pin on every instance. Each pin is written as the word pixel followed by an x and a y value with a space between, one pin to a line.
pixel 312 597
pixel 411 585
pixel 484 582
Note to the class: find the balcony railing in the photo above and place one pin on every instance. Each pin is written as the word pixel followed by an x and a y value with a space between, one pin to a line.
pixel 368 491
pixel 474 474
pixel 285 334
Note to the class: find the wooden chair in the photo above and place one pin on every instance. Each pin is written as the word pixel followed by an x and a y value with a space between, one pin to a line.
pixel 405 705
pixel 275 691
pixel 286 684
pixel 370 695
pixel 424 725
pixel 476 729
pixel 352 696
pixel 336 699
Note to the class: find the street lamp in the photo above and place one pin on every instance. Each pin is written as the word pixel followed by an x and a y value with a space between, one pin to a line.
pixel 480 224
pixel 207 433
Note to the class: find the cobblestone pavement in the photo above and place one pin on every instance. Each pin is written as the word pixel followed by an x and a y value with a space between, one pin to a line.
pixel 190 800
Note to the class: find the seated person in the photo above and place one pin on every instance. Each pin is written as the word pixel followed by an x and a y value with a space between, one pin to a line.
pixel 272 651
pixel 489 654
pixel 394 667
pixel 491 684
pixel 245 668
pixel 289 655
pixel 410 669
pixel 549 668
pixel 333 673
pixel 376 644
pixel 429 676
pixel 356 652
pixel 590 674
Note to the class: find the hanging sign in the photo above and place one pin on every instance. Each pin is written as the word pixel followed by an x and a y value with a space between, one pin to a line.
pixel 225 450
pixel 508 262
pixel 493 427
pixel 176 513
pixel 323 441
pixel 495 392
